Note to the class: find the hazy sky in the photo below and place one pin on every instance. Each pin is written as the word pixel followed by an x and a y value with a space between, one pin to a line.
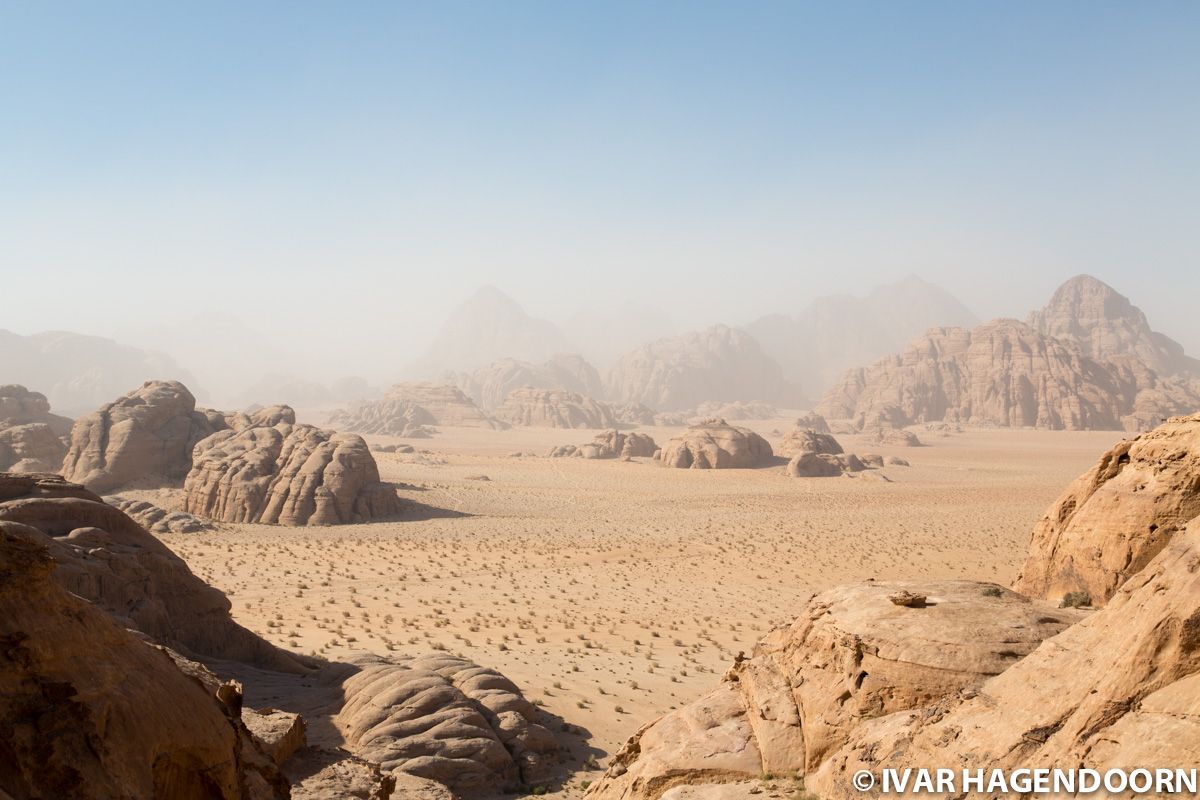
pixel 332 177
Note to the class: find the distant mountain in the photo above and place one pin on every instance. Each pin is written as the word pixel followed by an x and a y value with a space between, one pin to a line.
pixel 1095 373
pixel 719 363
pixel 77 373
pixel 488 386
pixel 837 332
pixel 602 333
pixel 488 327
pixel 1104 323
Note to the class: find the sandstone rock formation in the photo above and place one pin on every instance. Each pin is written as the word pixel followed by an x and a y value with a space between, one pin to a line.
pixel 853 654
pixel 812 421
pixel 89 710
pixel 446 719
pixel 802 440
pixel 156 519
pixel 446 405
pixel 736 410
pixel 633 414
pixel 1115 518
pixel 1006 373
pixel 389 416
pixel 809 464
pixel 145 437
pixel 30 436
pixel 715 444
pixel 895 437
pixel 553 408
pixel 1092 314
pixel 19 406
pixel 109 560
pixel 1119 689
pixel 489 386
pixel 719 364
pixel 837 333
pixel 287 475
pixel 610 444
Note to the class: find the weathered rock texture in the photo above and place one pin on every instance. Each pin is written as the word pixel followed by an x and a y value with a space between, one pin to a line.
pixel 1105 324
pixel 1006 373
pixel 554 408
pixel 610 444
pixel 719 364
pixel 853 654
pixel 1115 518
pixel 447 405
pixel 89 710
pixel 449 720
pixel 803 440
pixel 489 386
pixel 1120 689
pixel 388 416
pixel 145 437
pixel 156 519
pixel 30 436
pixel 715 444
pixel 287 475
pixel 812 421
pixel 738 409
pixel 633 414
pixel 19 406
pixel 807 464
pixel 109 560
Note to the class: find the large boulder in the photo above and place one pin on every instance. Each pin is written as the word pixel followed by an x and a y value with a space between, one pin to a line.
pixel 855 653
pixel 446 719
pixel 109 560
pixel 715 444
pixel 88 710
pixel 720 364
pixel 30 436
pixel 554 408
pixel 489 386
pixel 1115 518
pixel 812 421
pixel 610 444
pixel 801 440
pixel 808 464
pixel 1119 690
pixel 287 475
pixel 19 406
pixel 145 437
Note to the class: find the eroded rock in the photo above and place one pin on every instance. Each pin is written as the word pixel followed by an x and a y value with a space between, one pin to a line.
pixel 715 444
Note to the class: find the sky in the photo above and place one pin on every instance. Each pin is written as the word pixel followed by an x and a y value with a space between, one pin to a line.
pixel 316 185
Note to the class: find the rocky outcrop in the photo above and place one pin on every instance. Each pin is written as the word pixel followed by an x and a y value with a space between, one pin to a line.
pixel 610 444
pixel 389 416
pixel 30 436
pixel 1008 374
pixel 719 364
pixel 1114 519
pixel 737 410
pixel 287 475
pixel 19 406
pixel 855 653
pixel 1119 689
pixel 808 464
pixel 812 421
pixel 553 408
pixel 109 560
pixel 715 444
pixel 145 437
pixel 156 519
pixel 803 440
pixel 1105 325
pixel 489 386
pixel 633 414
pixel 89 710
pixel 448 720
pixel 446 405
pixel 895 437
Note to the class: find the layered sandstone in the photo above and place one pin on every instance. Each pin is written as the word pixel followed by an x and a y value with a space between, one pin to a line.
pixel 553 408
pixel 30 436
pixel 444 405
pixel 489 386
pixel 389 416
pixel 804 440
pixel 715 444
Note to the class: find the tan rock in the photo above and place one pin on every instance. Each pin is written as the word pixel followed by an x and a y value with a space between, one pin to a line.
pixel 33 447
pixel 279 733
pixel 287 475
pixel 145 437
pixel 715 444
pixel 808 464
pixel 321 773
pixel 895 437
pixel 736 410
pixel 852 655
pixel 610 444
pixel 156 519
pixel 633 414
pixel 19 406
pixel 1115 518
pixel 804 440
pixel 447 405
pixel 553 408
pixel 389 416
pixel 490 386
pixel 812 421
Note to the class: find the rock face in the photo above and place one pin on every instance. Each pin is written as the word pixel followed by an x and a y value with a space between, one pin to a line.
pixel 389 416
pixel 146 436
pixel 1115 518
pixel 719 364
pixel 837 333
pixel 553 408
pixel 1105 325
pixel 610 444
pixel 801 440
pixel 30 436
pixel 447 405
pixel 109 560
pixel 812 421
pixel 19 406
pixel 715 444
pixel 1119 689
pixel 738 409
pixel 448 720
pixel 1006 373
pixel 88 710
pixel 633 414
pixel 489 386
pixel 158 520
pixel 286 475
pixel 852 654
pixel 807 464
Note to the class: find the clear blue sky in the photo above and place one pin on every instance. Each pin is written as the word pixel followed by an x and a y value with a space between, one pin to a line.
pixel 721 160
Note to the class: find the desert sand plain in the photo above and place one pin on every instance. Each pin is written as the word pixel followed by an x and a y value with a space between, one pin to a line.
pixel 612 591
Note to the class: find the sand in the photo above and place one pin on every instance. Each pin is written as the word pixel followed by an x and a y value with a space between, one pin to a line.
pixel 612 591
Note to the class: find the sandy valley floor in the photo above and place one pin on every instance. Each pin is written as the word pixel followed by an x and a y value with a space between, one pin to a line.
pixel 613 591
